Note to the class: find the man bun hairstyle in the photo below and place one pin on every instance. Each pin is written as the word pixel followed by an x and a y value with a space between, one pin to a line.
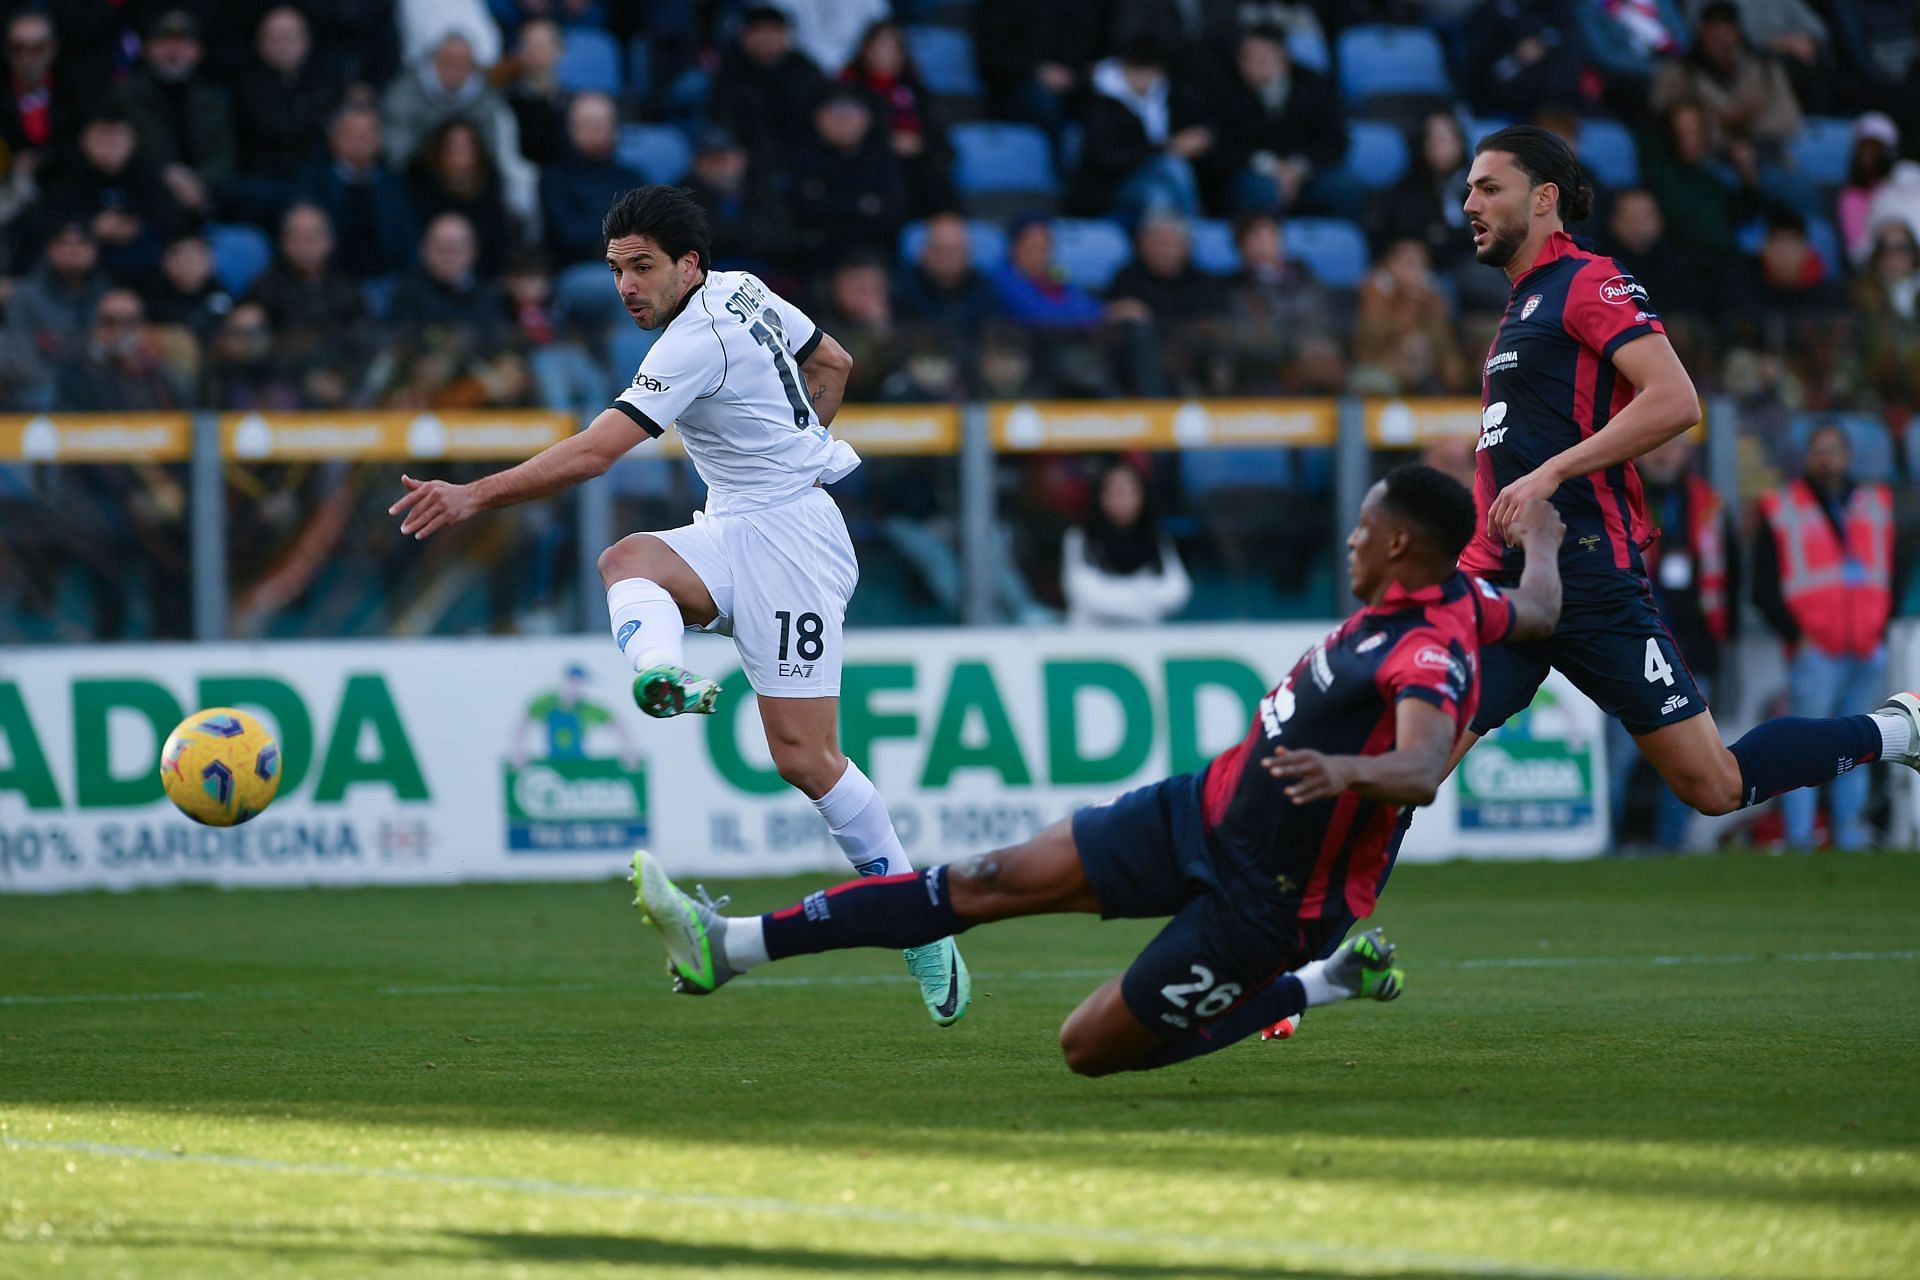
pixel 1434 503
pixel 668 216
pixel 1544 156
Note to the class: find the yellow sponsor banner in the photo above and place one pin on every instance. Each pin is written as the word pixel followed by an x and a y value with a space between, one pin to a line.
pixel 1160 424
pixel 872 429
pixel 1409 424
pixel 95 437
pixel 506 435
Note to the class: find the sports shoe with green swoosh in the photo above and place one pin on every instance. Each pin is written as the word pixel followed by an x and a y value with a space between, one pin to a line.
pixel 693 929
pixel 666 691
pixel 945 984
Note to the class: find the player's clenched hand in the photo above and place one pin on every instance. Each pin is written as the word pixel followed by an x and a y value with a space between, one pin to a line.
pixel 1537 519
pixel 432 504
pixel 1535 486
pixel 1315 776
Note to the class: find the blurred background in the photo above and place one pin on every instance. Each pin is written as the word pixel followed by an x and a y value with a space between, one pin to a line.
pixel 1142 295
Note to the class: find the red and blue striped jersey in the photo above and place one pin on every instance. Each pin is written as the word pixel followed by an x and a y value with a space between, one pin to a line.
pixel 1548 384
pixel 1342 698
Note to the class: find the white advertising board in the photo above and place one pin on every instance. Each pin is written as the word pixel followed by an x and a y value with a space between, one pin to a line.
pixel 492 759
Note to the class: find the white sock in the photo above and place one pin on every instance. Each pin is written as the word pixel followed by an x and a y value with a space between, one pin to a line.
pixel 646 623
pixel 857 818
pixel 744 944
pixel 1896 735
pixel 1320 989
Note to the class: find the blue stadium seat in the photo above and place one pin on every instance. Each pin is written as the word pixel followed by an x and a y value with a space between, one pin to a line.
pixel 1213 249
pixel 1478 127
pixel 1382 59
pixel 590 61
pixel 1608 151
pixel 1001 157
pixel 660 152
pixel 240 254
pixel 988 242
pixel 945 58
pixel 1821 152
pixel 1309 49
pixel 639 66
pixel 1332 248
pixel 1376 154
pixel 1203 471
pixel 1871 441
pixel 1089 250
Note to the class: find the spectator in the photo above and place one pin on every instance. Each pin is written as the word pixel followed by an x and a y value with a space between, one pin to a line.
pixel 242 373
pixel 1823 577
pixel 1876 145
pixel 1522 55
pixel 533 91
pixel 1118 566
pixel 447 85
pixel 1198 38
pixel 452 331
pixel 446 293
pixel 1033 291
pixel 1425 204
pixel 1142 135
pixel 1748 100
pixel 859 314
pixel 942 287
pixel 1280 134
pixel 186 296
pixel 1035 59
pixel 1700 207
pixel 765 90
pixel 1695 578
pixel 1626 40
pixel 1793 276
pixel 34 124
pixel 849 189
pixel 1403 336
pixel 1884 298
pixel 365 202
pixel 576 190
pixel 1792 33
pixel 49 312
pixel 316 314
pixel 286 96
pixel 1277 306
pixel 118 370
pixel 1162 278
pixel 452 174
pixel 119 195
pixel 882 69
pixel 1637 235
pixel 749 224
pixel 829 32
pixel 183 121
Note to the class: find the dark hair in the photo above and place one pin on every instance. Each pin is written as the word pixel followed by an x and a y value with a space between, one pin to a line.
pixel 1781 218
pixel 1112 548
pixel 1435 503
pixel 1544 156
pixel 668 216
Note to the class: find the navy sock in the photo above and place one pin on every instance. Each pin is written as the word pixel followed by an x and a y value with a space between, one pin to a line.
pixel 880 911
pixel 1281 998
pixel 1797 751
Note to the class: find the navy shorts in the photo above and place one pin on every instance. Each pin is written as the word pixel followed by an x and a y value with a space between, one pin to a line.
pixel 1147 854
pixel 1615 648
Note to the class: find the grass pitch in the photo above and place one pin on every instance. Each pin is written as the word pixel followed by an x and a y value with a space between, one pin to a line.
pixel 1704 1067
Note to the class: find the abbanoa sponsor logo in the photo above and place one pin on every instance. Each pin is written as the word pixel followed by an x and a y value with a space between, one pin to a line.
pixel 1620 290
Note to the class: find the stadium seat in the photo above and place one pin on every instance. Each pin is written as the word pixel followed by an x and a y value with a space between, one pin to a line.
pixel 989 244
pixel 1821 152
pixel 1478 127
pixel 1001 157
pixel 240 254
pixel 1872 443
pixel 945 58
pixel 590 62
pixel 1309 49
pixel 1376 154
pixel 1205 471
pixel 1332 248
pixel 1377 60
pixel 639 66
pixel 1089 250
pixel 1213 249
pixel 1608 151
pixel 660 152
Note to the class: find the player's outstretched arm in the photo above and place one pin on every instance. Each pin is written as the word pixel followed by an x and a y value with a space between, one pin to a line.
pixel 1410 774
pixel 1536 601
pixel 826 373
pixel 430 505
pixel 1666 405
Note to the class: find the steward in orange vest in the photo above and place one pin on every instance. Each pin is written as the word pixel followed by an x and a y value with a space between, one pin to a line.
pixel 1689 564
pixel 1832 561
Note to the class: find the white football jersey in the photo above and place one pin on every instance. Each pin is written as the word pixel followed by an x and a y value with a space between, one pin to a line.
pixel 727 369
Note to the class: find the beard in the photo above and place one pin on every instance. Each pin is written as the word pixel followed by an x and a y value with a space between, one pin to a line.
pixel 1502 243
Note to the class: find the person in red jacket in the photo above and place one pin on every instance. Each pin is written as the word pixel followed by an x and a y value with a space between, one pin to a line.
pixel 1824 579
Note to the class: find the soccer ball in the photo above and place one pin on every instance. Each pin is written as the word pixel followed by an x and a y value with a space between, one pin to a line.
pixel 220 767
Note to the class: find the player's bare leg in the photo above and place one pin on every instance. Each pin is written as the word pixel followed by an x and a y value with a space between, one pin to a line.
pixel 1696 764
pixel 653 595
pixel 1102 1036
pixel 803 735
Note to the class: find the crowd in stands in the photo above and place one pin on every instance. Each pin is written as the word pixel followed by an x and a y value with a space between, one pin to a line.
pixel 396 203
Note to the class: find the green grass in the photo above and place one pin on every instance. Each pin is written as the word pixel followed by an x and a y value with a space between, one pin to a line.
pixel 320 1110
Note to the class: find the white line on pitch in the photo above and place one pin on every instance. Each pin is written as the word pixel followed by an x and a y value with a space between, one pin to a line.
pixel 873 979
pixel 1270 1250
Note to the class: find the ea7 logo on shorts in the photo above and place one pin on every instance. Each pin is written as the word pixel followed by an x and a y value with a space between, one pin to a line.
pixel 1531 305
pixel 647 382
pixel 1621 290
pixel 796 670
pixel 1491 430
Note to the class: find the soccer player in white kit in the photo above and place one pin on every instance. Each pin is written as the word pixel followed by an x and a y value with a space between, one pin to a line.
pixel 752 383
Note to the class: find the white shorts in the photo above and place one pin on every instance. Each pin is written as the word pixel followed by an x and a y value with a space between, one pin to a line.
pixel 781 577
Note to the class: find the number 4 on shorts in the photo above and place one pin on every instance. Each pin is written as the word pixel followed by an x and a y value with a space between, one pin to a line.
pixel 1659 670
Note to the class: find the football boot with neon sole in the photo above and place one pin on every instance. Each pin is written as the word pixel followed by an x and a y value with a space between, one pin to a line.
pixel 945 984
pixel 693 929
pixel 1906 705
pixel 1363 968
pixel 665 691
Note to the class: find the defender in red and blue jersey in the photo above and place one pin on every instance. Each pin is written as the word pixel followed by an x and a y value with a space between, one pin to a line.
pixel 1580 381
pixel 1264 859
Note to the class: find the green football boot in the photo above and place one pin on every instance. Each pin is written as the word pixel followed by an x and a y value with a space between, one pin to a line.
pixel 665 691
pixel 693 929
pixel 945 984
pixel 1363 968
